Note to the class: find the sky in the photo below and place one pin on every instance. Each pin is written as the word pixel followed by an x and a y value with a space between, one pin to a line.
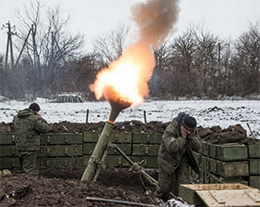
pixel 92 18
pixel 208 113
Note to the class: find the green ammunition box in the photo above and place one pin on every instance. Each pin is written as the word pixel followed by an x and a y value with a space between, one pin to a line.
pixel 8 151
pixel 254 150
pixel 211 150
pixel 7 139
pixel 85 160
pixel 9 162
pixel 113 137
pixel 204 148
pixel 62 138
pixel 210 177
pixel 231 152
pixel 254 181
pixel 91 136
pixel 120 137
pixel 88 148
pixel 232 169
pixel 147 138
pixel 254 166
pixel 60 150
pixel 60 162
pixel 116 161
pixel 212 164
pixel 145 161
pixel 144 149
pixel 204 163
pixel 126 148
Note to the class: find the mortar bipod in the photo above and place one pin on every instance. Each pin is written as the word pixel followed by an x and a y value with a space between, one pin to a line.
pixel 138 169
pixel 135 166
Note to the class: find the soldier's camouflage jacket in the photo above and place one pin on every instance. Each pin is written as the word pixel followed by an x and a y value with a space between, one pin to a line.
pixel 173 147
pixel 28 128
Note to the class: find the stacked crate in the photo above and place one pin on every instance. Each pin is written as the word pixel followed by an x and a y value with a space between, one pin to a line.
pixel 122 139
pixel 145 149
pixel 60 150
pixel 254 165
pixel 226 163
pixel 8 152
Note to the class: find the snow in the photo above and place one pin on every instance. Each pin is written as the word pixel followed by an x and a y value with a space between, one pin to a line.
pixel 207 112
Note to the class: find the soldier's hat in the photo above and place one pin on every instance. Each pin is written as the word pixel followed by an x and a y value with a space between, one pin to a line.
pixel 35 107
pixel 189 123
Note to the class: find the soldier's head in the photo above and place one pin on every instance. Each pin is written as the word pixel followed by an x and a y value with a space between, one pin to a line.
pixel 189 123
pixel 35 107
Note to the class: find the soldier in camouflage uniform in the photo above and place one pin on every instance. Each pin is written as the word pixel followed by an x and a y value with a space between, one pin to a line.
pixel 175 156
pixel 28 125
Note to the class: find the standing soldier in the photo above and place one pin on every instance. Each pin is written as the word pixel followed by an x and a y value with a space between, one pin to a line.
pixel 28 125
pixel 175 155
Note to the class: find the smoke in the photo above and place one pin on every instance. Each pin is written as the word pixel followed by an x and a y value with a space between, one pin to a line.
pixel 155 19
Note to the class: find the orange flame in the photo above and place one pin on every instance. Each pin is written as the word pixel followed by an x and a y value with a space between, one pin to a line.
pixel 126 79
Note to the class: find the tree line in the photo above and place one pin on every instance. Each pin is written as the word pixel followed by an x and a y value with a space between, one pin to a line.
pixel 195 63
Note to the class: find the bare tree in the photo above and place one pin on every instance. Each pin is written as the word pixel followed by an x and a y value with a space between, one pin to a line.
pixel 110 45
pixel 248 60
pixel 50 47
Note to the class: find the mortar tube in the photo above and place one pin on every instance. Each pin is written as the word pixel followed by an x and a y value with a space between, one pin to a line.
pixel 97 154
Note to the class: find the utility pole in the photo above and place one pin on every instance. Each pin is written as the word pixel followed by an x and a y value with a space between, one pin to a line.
pixel 25 42
pixel 9 43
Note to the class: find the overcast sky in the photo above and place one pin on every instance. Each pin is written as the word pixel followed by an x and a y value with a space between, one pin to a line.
pixel 91 18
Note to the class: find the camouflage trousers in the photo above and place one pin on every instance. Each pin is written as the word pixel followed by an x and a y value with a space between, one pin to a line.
pixel 27 161
pixel 171 182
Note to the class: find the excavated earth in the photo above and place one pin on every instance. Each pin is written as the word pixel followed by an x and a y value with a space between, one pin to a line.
pixel 62 187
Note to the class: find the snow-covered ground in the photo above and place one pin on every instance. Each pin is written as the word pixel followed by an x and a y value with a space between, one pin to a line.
pixel 207 112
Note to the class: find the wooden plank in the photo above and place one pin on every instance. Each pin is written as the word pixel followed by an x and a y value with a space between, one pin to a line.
pixel 189 195
pixel 230 197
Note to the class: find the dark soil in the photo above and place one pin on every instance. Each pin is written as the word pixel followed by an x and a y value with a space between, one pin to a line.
pixel 215 135
pixel 62 187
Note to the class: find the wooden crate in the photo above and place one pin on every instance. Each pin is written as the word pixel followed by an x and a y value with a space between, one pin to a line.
pixel 60 151
pixel 254 150
pixel 254 166
pixel 60 162
pixel 254 181
pixel 147 138
pixel 218 195
pixel 226 152
pixel 145 149
pixel 8 151
pixel 61 138
pixel 7 139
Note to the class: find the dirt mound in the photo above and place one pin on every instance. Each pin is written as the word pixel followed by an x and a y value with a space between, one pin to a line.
pixel 215 135
pixel 62 187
